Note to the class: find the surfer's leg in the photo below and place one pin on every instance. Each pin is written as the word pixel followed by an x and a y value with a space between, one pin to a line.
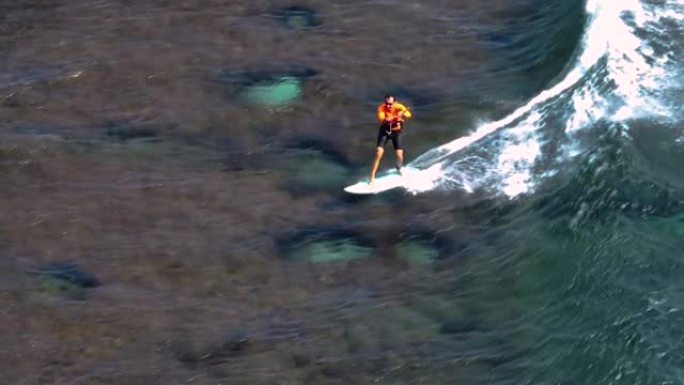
pixel 376 163
pixel 379 150
pixel 398 149
pixel 400 159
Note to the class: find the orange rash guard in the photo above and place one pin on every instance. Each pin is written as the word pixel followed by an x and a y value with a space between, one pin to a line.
pixel 392 113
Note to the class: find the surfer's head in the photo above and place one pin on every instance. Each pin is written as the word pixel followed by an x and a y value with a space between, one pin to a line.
pixel 389 100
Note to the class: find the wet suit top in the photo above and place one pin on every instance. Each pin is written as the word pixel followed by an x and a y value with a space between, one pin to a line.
pixel 392 114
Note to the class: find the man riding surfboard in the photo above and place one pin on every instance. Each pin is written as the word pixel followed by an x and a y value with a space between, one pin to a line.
pixel 391 115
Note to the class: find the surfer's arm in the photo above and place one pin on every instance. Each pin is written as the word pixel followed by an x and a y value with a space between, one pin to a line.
pixel 382 117
pixel 404 112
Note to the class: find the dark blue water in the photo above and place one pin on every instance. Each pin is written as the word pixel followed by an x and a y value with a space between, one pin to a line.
pixel 189 158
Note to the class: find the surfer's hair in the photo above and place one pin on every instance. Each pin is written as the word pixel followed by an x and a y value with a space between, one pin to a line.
pixel 389 96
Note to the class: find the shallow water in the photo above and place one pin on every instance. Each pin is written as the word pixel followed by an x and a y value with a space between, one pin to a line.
pixel 136 144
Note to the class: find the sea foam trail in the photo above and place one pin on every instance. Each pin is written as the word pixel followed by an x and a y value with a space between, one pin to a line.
pixel 617 75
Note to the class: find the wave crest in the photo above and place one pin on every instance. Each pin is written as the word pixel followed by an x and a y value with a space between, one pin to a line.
pixel 624 68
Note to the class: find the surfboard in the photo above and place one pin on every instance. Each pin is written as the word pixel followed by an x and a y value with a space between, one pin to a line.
pixel 390 180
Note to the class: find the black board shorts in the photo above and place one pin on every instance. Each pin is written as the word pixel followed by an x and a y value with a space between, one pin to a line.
pixel 385 134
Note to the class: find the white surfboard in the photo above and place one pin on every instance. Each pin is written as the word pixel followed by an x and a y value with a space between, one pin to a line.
pixel 388 181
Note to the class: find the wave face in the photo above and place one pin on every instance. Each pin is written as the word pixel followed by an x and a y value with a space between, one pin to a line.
pixel 625 69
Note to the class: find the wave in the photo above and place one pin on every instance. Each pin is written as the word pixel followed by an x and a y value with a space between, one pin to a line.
pixel 625 68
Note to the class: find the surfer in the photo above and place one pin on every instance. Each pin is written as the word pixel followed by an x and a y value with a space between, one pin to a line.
pixel 391 115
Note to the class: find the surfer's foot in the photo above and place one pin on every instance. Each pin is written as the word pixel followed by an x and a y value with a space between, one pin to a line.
pixel 401 170
pixel 371 181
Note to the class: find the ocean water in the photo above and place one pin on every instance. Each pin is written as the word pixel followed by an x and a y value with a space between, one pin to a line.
pixel 172 210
